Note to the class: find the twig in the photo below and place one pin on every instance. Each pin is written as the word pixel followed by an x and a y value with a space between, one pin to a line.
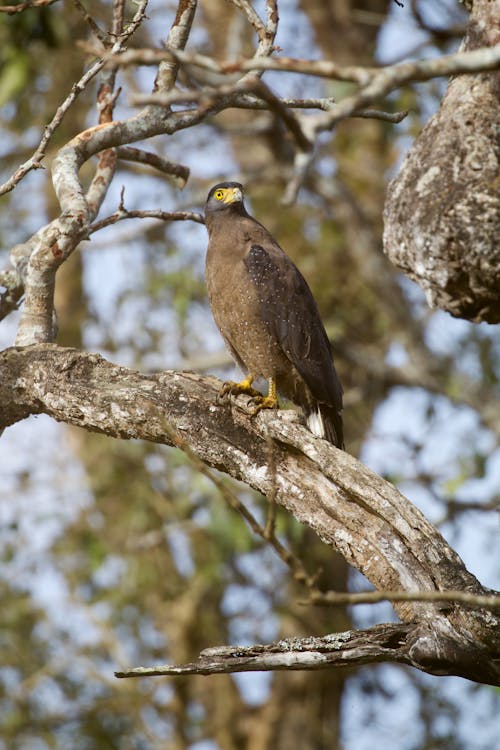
pixel 376 114
pixel 235 96
pixel 334 598
pixel 484 58
pixel 123 213
pixel 103 36
pixel 12 9
pixel 118 16
pixel 475 61
pixel 291 121
pixel 178 172
pixel 34 162
pixel 176 41
pixel 267 32
pixel 253 17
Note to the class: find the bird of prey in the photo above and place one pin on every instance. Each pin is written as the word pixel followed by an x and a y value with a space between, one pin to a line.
pixel 268 317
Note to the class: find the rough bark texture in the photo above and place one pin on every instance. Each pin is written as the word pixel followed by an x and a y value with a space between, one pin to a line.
pixel 352 509
pixel 442 214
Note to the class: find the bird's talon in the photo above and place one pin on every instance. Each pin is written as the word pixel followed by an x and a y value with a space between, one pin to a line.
pixel 264 402
pixel 235 389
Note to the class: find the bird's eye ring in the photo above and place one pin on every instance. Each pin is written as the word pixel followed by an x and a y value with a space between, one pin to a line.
pixel 219 195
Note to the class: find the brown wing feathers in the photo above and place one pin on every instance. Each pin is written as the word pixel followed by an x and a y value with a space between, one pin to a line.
pixel 291 315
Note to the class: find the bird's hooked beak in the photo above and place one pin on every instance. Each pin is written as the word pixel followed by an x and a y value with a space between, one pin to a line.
pixel 233 196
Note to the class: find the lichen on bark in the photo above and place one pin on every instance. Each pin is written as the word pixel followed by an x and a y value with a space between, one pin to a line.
pixel 442 212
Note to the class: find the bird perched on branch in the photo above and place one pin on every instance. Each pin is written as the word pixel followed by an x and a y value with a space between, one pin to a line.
pixel 268 317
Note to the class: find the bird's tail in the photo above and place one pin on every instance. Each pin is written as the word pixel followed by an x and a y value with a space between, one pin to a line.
pixel 326 422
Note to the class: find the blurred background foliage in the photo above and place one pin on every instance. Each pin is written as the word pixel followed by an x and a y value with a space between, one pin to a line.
pixel 117 554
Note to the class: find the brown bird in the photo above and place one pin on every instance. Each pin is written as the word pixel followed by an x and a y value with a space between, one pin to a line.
pixel 268 317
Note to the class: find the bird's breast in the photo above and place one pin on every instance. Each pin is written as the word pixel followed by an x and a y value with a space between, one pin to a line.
pixel 237 311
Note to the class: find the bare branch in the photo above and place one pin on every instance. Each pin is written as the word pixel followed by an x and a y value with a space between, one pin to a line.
pixel 335 598
pixel 253 17
pixel 178 173
pixel 234 96
pixel 35 161
pixel 177 38
pixel 347 649
pixel 475 61
pixel 394 643
pixel 118 16
pixel 364 517
pixel 92 23
pixel 320 68
pixel 101 181
pixel 12 9
pixel 376 114
pixel 58 240
pixel 123 213
pixel 387 79
pixel 290 120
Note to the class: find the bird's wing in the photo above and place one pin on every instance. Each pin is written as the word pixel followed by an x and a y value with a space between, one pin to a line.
pixel 291 315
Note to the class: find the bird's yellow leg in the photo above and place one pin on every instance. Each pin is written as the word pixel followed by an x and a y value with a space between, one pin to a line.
pixel 245 386
pixel 267 402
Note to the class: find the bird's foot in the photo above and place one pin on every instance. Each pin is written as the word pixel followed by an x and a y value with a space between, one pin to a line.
pixel 245 386
pixel 264 402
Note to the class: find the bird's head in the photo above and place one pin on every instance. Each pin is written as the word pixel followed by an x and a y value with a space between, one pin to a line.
pixel 223 196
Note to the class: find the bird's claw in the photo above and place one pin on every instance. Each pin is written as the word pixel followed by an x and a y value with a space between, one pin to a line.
pixel 263 402
pixel 232 388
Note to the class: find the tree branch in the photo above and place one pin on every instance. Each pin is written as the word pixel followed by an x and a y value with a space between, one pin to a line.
pixel 352 509
pixel 53 244
pixel 20 7
pixel 124 213
pixel 352 648
pixel 177 173
pixel 475 61
pixel 393 643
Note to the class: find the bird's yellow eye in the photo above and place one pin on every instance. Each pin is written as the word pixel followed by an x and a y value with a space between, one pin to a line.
pixel 219 195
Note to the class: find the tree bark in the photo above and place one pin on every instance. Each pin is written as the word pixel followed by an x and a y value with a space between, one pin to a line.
pixel 442 213
pixel 352 509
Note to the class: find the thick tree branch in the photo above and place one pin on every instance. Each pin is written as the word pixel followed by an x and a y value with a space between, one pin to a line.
pixel 386 643
pixel 352 509
pixel 393 643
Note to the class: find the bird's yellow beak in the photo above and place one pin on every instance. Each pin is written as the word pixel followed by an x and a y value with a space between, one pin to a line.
pixel 232 196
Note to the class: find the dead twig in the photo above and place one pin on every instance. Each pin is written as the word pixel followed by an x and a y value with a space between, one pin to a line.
pixel 12 9
pixel 178 173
